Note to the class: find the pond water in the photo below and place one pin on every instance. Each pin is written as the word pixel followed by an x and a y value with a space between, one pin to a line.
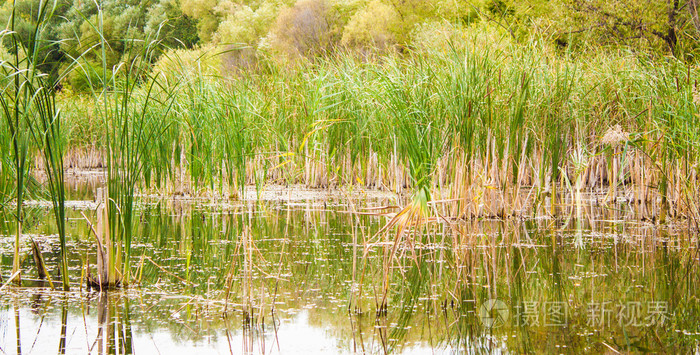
pixel 310 277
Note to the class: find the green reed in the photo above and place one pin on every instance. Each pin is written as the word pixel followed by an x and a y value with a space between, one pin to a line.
pixel 15 101
pixel 33 123
pixel 126 97
pixel 470 121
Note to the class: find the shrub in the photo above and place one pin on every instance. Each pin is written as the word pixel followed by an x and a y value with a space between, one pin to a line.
pixel 303 30
pixel 372 27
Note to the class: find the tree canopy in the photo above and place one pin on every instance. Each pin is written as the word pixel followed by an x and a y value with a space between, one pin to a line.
pixel 310 28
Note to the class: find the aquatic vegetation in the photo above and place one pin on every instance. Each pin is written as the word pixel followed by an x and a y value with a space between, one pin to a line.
pixel 124 95
pixel 300 267
pixel 514 172
pixel 507 131
pixel 32 123
pixel 474 126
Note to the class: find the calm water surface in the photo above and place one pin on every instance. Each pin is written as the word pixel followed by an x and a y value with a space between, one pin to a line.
pixel 313 277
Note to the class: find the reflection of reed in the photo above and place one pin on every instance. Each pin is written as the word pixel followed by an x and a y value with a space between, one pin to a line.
pixel 381 324
pixel 114 334
pixel 253 336
pixel 247 277
pixel 248 339
pixel 357 334
pixel 17 330
pixel 64 327
pixel 102 316
pixel 37 299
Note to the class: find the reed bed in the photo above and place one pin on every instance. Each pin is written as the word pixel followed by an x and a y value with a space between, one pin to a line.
pixel 472 124
pixel 460 131
pixel 480 128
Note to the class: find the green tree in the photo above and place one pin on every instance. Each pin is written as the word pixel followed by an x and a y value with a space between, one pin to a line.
pixel 670 25
pixel 25 22
pixel 177 30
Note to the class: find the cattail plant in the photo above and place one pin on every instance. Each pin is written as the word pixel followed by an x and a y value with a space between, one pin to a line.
pixel 126 94
pixel 33 122
pixel 15 103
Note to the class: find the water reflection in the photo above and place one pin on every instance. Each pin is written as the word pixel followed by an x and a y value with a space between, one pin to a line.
pixel 64 328
pixel 18 329
pixel 275 278
pixel 113 325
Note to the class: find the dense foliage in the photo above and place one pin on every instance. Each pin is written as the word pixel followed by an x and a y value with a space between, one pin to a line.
pixel 289 29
